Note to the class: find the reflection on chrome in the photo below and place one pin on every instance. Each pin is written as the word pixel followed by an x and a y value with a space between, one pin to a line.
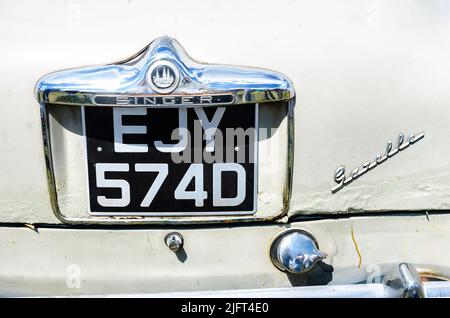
pixel 163 67
pixel 295 252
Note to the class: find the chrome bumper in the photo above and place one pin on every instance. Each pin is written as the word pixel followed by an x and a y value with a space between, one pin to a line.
pixel 431 290
pixel 402 282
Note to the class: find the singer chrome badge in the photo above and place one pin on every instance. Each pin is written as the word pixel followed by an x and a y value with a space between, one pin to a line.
pixel 342 180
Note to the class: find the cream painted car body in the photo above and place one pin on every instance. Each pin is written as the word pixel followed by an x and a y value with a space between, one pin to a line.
pixel 364 71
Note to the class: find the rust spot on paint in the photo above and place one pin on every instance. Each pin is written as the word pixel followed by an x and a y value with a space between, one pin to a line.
pixel 429 276
pixel 357 248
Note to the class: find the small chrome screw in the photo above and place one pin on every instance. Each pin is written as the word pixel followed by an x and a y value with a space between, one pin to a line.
pixel 174 241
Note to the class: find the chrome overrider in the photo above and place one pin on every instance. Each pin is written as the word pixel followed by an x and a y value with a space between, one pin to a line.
pixel 405 279
pixel 128 83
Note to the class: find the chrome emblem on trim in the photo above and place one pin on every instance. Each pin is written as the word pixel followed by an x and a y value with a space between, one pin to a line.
pixel 342 180
pixel 162 74
pixel 163 77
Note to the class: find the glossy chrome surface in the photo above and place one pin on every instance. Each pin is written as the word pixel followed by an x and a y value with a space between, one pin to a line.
pixel 436 289
pixel 343 180
pixel 287 191
pixel 295 251
pixel 129 79
pixel 405 278
pixel 174 241
pixel 328 291
pixel 127 83
pixel 431 290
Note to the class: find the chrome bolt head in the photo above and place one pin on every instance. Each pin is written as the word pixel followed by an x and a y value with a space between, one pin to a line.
pixel 174 241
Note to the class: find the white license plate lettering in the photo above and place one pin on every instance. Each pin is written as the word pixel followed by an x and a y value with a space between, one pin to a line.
pixel 194 173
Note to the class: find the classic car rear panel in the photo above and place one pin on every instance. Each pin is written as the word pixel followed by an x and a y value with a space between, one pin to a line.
pixel 364 72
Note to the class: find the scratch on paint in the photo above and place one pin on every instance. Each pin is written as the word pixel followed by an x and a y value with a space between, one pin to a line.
pixel 357 248
pixel 31 227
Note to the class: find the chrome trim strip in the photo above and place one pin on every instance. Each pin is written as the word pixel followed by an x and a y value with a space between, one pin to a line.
pixel 327 291
pixel 287 191
pixel 385 289
pixel 436 289
pixel 431 289
pixel 244 85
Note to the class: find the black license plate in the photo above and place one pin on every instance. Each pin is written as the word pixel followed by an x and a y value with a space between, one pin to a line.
pixel 171 161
